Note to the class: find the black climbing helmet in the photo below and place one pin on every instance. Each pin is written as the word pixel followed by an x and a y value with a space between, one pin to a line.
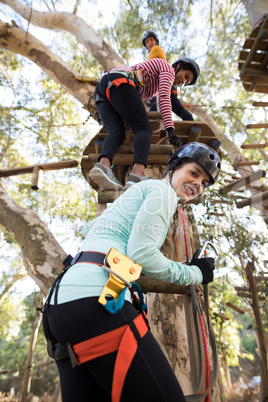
pixel 147 34
pixel 201 154
pixel 188 64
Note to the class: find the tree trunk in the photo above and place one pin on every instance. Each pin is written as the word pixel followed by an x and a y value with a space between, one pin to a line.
pixel 62 21
pixel 250 268
pixel 168 314
pixel 57 394
pixel 26 382
pixel 224 364
pixel 21 42
pixel 255 9
pixel 42 255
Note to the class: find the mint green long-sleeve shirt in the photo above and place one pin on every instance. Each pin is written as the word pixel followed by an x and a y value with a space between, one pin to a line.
pixel 136 224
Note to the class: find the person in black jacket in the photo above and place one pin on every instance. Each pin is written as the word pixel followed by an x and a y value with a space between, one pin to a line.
pixel 151 41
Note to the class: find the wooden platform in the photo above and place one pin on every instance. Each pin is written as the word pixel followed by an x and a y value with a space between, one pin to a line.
pixel 160 152
pixel 253 59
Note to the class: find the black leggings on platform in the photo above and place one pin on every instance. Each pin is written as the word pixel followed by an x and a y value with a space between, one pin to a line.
pixel 125 106
pixel 150 377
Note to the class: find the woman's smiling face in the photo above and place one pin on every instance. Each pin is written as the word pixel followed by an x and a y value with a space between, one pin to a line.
pixel 183 77
pixel 189 181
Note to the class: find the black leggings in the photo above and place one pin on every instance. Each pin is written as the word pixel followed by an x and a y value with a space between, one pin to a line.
pixel 125 105
pixel 150 377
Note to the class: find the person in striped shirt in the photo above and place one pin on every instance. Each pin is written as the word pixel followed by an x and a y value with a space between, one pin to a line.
pixel 151 41
pixel 118 98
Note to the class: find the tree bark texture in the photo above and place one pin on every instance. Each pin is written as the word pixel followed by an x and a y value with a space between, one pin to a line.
pixel 26 382
pixel 167 312
pixel 250 268
pixel 62 21
pixel 255 9
pixel 41 253
pixel 20 42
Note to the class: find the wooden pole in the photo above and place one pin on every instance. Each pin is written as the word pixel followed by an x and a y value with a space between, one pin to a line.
pixel 253 200
pixel 254 146
pixel 257 125
pixel 260 104
pixel 37 178
pixel 194 134
pixel 246 163
pixel 44 166
pixel 236 308
pixel 243 181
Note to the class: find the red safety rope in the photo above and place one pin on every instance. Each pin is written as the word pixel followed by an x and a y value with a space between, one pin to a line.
pixel 207 398
pixel 185 234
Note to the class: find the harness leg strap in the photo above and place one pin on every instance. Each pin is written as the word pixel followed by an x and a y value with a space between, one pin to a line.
pixel 126 352
pixel 121 340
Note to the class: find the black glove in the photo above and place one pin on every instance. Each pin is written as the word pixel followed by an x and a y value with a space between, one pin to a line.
pixel 206 266
pixel 173 139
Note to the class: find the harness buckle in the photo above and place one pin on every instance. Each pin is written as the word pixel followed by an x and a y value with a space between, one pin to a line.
pixel 76 258
pixel 123 266
pixel 67 261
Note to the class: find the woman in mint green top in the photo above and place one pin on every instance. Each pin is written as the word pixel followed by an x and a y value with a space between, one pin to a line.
pixel 136 225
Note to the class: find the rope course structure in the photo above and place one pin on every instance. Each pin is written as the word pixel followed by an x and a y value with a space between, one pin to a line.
pixel 253 58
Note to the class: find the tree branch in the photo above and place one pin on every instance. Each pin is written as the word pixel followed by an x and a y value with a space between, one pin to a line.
pixel 62 21
pixel 32 235
pixel 14 39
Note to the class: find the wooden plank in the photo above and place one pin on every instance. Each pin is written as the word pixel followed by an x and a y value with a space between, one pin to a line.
pixel 222 316
pixel 244 181
pixel 126 159
pixel 254 146
pixel 44 166
pixel 259 88
pixel 262 196
pixel 246 163
pixel 258 79
pixel 256 72
pixel 261 45
pixel 249 296
pixel 257 57
pixel 260 104
pixel 154 115
pixel 236 308
pixel 160 149
pixel 249 79
pixel 257 125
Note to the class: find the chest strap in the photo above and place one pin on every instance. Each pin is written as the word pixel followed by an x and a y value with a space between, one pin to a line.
pixel 124 340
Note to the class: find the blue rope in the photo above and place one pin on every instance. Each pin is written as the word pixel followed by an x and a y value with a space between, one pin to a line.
pixel 114 306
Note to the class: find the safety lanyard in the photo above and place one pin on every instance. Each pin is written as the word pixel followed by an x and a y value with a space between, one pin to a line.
pixel 196 310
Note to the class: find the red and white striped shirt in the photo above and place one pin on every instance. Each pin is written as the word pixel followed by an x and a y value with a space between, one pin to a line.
pixel 158 77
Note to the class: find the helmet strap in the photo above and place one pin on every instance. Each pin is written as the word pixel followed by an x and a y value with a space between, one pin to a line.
pixel 170 175
pixel 177 69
